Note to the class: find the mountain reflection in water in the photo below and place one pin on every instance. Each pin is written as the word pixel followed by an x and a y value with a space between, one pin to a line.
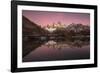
pixel 39 50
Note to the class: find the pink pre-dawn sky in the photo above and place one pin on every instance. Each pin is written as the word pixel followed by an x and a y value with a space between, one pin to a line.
pixel 45 17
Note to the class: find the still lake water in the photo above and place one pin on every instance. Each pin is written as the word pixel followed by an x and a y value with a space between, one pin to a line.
pixel 51 50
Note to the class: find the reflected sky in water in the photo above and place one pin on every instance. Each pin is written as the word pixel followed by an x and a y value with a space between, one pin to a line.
pixel 56 50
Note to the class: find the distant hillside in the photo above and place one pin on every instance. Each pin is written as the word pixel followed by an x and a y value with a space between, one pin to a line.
pixel 74 30
pixel 78 29
pixel 31 28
